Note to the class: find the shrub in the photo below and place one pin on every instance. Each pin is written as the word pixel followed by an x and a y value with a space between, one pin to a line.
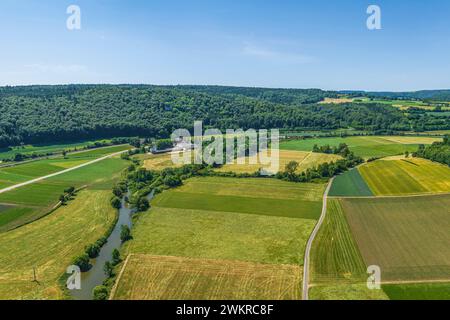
pixel 93 250
pixel 100 293
pixel 82 262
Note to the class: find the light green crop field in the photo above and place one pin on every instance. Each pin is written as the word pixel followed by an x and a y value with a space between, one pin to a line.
pixel 9 153
pixel 364 146
pixel 407 237
pixel 221 235
pixel 149 277
pixel 50 244
pixel 335 255
pixel 350 184
pixel 406 176
pixel 42 196
pixel 418 291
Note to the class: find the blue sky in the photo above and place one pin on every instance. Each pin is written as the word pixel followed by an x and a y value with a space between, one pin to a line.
pixel 297 44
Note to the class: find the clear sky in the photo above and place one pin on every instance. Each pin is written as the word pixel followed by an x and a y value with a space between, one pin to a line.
pixel 300 44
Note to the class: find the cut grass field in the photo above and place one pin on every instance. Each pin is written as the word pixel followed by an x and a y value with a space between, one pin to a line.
pixel 306 160
pixel 50 244
pixel 158 161
pixel 407 237
pixel 350 184
pixel 39 198
pixel 406 177
pixel 364 146
pixel 148 277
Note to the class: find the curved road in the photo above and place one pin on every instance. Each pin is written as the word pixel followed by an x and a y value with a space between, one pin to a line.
pixel 310 242
pixel 60 172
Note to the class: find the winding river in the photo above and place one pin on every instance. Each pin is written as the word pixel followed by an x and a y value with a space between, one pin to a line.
pixel 95 276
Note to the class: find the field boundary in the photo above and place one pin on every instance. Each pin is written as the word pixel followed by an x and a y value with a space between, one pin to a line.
pixel 116 283
pixel 305 281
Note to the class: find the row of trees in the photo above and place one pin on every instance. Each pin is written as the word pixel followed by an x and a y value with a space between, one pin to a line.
pixel 342 149
pixel 438 151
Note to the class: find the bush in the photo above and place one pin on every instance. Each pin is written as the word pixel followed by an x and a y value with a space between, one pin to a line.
pixel 108 269
pixel 116 203
pixel 172 181
pixel 93 250
pixel 116 257
pixel 82 262
pixel 125 233
pixel 143 204
pixel 100 293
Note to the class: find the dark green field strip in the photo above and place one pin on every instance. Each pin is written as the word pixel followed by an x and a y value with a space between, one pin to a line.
pixel 10 215
pixel 261 206
pixel 419 291
pixel 350 184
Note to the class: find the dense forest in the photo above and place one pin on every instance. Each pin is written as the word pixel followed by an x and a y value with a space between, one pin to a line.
pixel 438 151
pixel 47 114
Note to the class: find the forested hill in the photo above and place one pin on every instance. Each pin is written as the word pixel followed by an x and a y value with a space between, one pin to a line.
pixel 39 114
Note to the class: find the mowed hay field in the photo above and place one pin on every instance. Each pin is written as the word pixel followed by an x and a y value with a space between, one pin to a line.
pixel 150 277
pixel 364 146
pixel 158 161
pixel 50 244
pixel 244 220
pixel 407 237
pixel 406 177
pixel 306 160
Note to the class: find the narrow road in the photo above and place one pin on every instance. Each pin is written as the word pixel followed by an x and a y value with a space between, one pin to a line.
pixel 310 242
pixel 60 172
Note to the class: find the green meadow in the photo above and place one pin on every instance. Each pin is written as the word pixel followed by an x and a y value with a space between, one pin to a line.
pixel 39 198
pixel 27 171
pixel 364 146
pixel 226 218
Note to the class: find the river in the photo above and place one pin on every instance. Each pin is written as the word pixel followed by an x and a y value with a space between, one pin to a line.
pixel 95 276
